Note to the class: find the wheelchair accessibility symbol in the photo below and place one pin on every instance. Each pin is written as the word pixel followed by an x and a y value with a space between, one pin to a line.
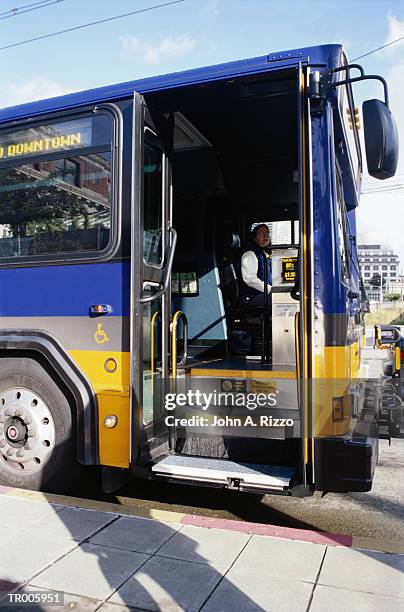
pixel 100 335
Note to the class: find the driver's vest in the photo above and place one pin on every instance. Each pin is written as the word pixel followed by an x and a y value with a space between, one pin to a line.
pixel 263 259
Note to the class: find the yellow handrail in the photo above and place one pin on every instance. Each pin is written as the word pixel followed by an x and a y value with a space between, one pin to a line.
pixel 174 323
pixel 152 322
pixel 297 350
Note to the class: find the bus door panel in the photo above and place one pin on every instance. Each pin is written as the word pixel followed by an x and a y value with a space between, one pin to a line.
pixel 304 342
pixel 152 248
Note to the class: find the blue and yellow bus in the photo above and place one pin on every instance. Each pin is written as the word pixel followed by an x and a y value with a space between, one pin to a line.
pixel 124 211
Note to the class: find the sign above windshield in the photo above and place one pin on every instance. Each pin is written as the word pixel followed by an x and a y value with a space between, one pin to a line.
pixel 53 137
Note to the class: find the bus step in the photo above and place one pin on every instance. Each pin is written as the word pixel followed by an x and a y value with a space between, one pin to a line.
pixel 249 476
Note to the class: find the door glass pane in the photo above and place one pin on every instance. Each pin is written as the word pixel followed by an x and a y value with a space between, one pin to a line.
pixel 152 361
pixel 153 199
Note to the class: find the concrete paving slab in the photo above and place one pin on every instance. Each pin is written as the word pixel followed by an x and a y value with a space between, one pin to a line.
pixel 169 585
pixel 361 570
pixel 356 600
pixel 283 558
pixel 137 534
pixel 16 513
pixel 25 554
pixel 214 546
pixel 73 523
pixel 71 602
pixel 258 591
pixel 111 607
pixel 91 571
pixel 5 532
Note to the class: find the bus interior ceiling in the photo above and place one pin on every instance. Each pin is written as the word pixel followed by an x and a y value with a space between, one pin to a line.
pixel 235 162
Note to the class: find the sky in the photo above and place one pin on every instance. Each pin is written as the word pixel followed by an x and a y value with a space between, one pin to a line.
pixel 202 32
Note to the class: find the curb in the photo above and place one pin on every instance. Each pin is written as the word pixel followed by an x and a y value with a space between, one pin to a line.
pixel 274 531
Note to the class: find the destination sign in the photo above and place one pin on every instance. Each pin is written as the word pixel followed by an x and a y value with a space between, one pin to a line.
pixel 51 138
pixel 40 145
pixel 289 269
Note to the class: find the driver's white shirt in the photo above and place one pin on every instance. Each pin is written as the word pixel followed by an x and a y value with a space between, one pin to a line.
pixel 249 272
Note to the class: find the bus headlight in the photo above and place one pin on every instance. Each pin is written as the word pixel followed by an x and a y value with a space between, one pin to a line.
pixel 111 421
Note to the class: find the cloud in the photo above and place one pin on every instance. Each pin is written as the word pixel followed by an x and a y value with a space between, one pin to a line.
pixel 36 88
pixel 395 30
pixel 211 10
pixel 169 47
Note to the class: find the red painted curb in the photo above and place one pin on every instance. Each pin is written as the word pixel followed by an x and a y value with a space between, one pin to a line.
pixel 305 535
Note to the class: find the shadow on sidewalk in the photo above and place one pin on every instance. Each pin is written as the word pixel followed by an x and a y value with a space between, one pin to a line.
pixel 141 564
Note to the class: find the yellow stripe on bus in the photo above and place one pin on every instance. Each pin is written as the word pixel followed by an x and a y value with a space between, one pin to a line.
pixel 95 363
pixel 335 367
pixel 112 391
pixel 114 444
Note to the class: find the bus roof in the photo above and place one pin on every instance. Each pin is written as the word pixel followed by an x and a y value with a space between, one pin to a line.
pixel 328 55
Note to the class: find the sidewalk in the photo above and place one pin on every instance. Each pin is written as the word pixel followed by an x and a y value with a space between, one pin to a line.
pixel 103 560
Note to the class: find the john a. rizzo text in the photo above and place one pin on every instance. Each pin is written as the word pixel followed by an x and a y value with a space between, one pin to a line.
pixel 227 421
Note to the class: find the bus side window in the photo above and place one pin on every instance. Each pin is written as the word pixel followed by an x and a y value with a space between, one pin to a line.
pixel 56 190
pixel 342 230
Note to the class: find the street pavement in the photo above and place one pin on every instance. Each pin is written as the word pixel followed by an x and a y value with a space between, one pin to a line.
pixel 105 561
pixel 376 514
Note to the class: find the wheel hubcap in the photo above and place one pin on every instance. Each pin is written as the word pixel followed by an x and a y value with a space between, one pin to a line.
pixel 16 432
pixel 27 430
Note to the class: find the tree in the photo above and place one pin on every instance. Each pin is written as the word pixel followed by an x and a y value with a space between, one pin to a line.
pixel 375 281
pixel 39 208
pixel 392 297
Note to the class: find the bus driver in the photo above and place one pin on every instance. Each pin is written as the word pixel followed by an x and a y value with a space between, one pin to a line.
pixel 253 264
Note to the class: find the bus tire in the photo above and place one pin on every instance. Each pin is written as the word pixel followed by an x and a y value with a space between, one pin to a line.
pixel 37 441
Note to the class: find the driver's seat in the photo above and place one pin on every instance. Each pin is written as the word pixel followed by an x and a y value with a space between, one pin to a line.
pixel 229 265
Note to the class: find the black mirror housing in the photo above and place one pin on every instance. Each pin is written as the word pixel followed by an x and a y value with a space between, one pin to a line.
pixel 381 139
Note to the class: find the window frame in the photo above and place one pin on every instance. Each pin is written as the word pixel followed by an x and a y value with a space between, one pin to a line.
pixel 160 266
pixel 76 257
pixel 341 215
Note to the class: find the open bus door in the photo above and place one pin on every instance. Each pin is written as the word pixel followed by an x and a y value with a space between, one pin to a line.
pixel 153 245
pixel 303 327
pixel 153 242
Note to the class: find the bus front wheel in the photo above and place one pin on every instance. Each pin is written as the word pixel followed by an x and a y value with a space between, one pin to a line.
pixel 37 449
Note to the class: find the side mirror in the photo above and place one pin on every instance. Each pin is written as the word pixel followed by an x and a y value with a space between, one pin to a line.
pixel 381 139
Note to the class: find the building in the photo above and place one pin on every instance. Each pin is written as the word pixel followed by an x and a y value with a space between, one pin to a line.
pixel 378 263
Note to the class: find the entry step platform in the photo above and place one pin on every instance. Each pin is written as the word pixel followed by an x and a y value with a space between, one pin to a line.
pixel 243 368
pixel 228 473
